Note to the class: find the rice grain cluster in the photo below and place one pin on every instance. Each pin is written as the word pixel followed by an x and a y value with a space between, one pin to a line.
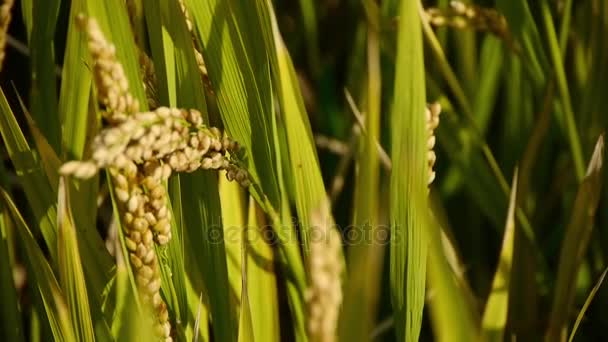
pixel 324 294
pixel 141 150
pixel 432 121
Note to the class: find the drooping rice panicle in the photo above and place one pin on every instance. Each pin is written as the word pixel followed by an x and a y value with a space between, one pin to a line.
pixel 110 79
pixel 5 20
pixel 150 81
pixel 432 121
pixel 461 15
pixel 324 294
pixel 141 150
pixel 200 62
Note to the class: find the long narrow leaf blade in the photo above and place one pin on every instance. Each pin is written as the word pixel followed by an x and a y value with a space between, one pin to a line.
pixel 239 72
pixel 202 217
pixel 408 199
pixel 11 328
pixel 575 243
pixel 583 310
pixel 262 294
pixel 45 282
pixel 495 315
pixel 30 172
pixel 71 274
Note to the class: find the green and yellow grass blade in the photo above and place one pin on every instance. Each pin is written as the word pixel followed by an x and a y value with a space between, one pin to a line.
pixel 262 293
pixel 303 170
pixel 48 157
pixel 409 175
pixel 230 36
pixel 75 88
pixel 27 10
pixel 202 219
pixel 175 56
pixel 44 283
pixel 245 316
pixel 245 325
pixel 162 43
pixel 95 258
pixel 583 310
pixel 494 318
pixel 31 175
pixel 79 122
pixel 574 245
pixel 461 148
pixel 199 314
pixel 71 274
pixel 364 257
pixel 304 167
pixel 11 326
pixel 452 308
pixel 491 61
pixel 43 93
pixel 39 186
pixel 309 21
pixel 523 27
pixel 162 49
pixel 234 220
pixel 562 85
pixel 176 272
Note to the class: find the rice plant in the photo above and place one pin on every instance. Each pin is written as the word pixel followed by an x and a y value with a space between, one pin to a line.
pixel 373 170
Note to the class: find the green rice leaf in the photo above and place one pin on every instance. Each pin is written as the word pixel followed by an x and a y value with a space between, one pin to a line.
pixel 199 314
pixel 523 27
pixel 182 70
pixel 31 175
pixel 11 326
pixel 491 62
pixel 562 85
pixel 176 251
pixel 231 39
pixel 408 192
pixel 94 254
pixel 78 114
pixel 162 48
pixel 75 87
pixel 581 313
pixel 233 218
pixel 43 92
pixel 50 160
pixel 43 279
pixel 575 243
pixel 309 21
pixel 304 164
pixel 245 325
pixel 245 318
pixel 260 278
pixel 27 13
pixel 452 307
pixel 494 318
pixel 365 257
pixel 202 219
pixel 71 274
